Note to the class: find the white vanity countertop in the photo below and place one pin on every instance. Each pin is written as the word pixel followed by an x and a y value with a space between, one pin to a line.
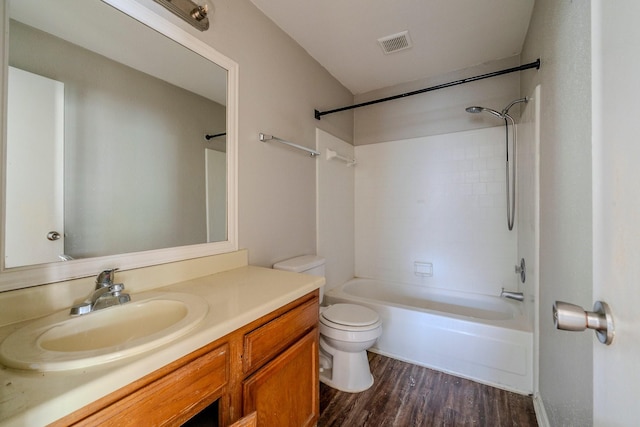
pixel 236 298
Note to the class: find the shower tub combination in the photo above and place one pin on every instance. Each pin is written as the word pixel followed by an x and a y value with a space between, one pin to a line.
pixel 479 337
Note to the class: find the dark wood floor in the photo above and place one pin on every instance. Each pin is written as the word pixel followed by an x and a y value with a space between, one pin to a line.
pixel 406 395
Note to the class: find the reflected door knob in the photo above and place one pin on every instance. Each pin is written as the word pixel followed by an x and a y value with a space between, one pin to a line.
pixel 53 236
pixel 571 317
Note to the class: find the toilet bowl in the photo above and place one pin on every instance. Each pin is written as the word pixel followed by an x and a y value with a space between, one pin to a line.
pixel 347 331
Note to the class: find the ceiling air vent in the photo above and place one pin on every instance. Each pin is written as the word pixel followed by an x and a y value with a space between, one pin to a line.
pixel 395 42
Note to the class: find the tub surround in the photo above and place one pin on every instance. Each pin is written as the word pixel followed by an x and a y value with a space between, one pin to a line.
pixel 237 295
pixel 450 212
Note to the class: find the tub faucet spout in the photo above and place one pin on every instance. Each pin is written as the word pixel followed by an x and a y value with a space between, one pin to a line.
pixel 518 296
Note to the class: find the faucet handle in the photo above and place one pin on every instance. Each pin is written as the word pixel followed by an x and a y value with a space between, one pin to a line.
pixel 116 289
pixel 105 278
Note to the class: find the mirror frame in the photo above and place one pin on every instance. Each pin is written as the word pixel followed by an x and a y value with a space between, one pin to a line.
pixel 23 277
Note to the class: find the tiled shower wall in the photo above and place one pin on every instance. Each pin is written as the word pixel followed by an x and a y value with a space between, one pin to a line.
pixel 438 200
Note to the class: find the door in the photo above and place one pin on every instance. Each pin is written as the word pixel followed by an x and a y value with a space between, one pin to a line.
pixel 34 196
pixel 216 173
pixel 616 202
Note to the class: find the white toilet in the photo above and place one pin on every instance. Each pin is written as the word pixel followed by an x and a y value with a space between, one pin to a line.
pixel 346 332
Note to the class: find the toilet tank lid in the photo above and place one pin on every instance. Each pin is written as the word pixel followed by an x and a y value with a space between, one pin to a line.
pixel 301 263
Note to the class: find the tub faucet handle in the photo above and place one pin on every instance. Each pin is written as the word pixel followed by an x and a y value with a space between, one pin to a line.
pixel 522 270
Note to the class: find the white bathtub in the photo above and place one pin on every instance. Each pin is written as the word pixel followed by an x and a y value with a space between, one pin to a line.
pixel 483 338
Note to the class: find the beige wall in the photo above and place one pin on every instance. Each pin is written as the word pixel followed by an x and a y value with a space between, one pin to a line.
pixel 559 34
pixel 279 85
pixel 437 112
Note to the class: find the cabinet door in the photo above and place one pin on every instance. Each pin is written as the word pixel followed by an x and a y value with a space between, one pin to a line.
pixel 246 421
pixel 285 392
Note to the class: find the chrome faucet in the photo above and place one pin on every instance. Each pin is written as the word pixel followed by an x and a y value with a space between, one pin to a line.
pixel 106 294
pixel 518 296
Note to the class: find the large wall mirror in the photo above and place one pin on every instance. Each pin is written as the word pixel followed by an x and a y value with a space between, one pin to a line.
pixel 119 141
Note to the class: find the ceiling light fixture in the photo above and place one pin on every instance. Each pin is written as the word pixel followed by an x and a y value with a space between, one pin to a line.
pixel 195 12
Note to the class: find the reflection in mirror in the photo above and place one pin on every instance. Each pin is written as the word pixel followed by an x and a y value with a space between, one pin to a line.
pixel 105 149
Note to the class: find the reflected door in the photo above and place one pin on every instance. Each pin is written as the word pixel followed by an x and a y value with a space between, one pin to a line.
pixel 216 172
pixel 35 178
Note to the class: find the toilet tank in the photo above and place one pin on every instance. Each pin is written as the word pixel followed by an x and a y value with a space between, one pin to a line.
pixel 307 264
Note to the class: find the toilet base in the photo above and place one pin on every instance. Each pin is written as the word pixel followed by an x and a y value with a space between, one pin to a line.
pixel 326 375
pixel 344 371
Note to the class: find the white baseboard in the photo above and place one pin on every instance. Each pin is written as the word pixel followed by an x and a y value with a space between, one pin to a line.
pixel 541 413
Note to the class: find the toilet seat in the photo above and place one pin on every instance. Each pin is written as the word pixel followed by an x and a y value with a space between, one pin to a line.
pixel 350 317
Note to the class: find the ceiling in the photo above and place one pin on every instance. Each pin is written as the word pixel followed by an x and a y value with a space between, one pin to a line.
pixel 446 35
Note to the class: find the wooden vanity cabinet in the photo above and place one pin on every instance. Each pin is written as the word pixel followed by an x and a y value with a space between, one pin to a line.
pixel 269 366
pixel 283 356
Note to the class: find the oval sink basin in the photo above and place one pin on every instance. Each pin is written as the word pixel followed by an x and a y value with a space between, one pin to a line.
pixel 60 342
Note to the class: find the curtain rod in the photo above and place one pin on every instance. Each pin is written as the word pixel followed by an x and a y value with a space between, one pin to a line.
pixel 216 135
pixel 535 64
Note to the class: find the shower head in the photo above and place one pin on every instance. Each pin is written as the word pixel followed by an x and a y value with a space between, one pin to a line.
pixel 501 115
pixel 477 109
pixel 474 109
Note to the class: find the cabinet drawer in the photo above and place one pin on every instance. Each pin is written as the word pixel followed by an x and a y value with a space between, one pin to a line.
pixel 173 398
pixel 262 344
